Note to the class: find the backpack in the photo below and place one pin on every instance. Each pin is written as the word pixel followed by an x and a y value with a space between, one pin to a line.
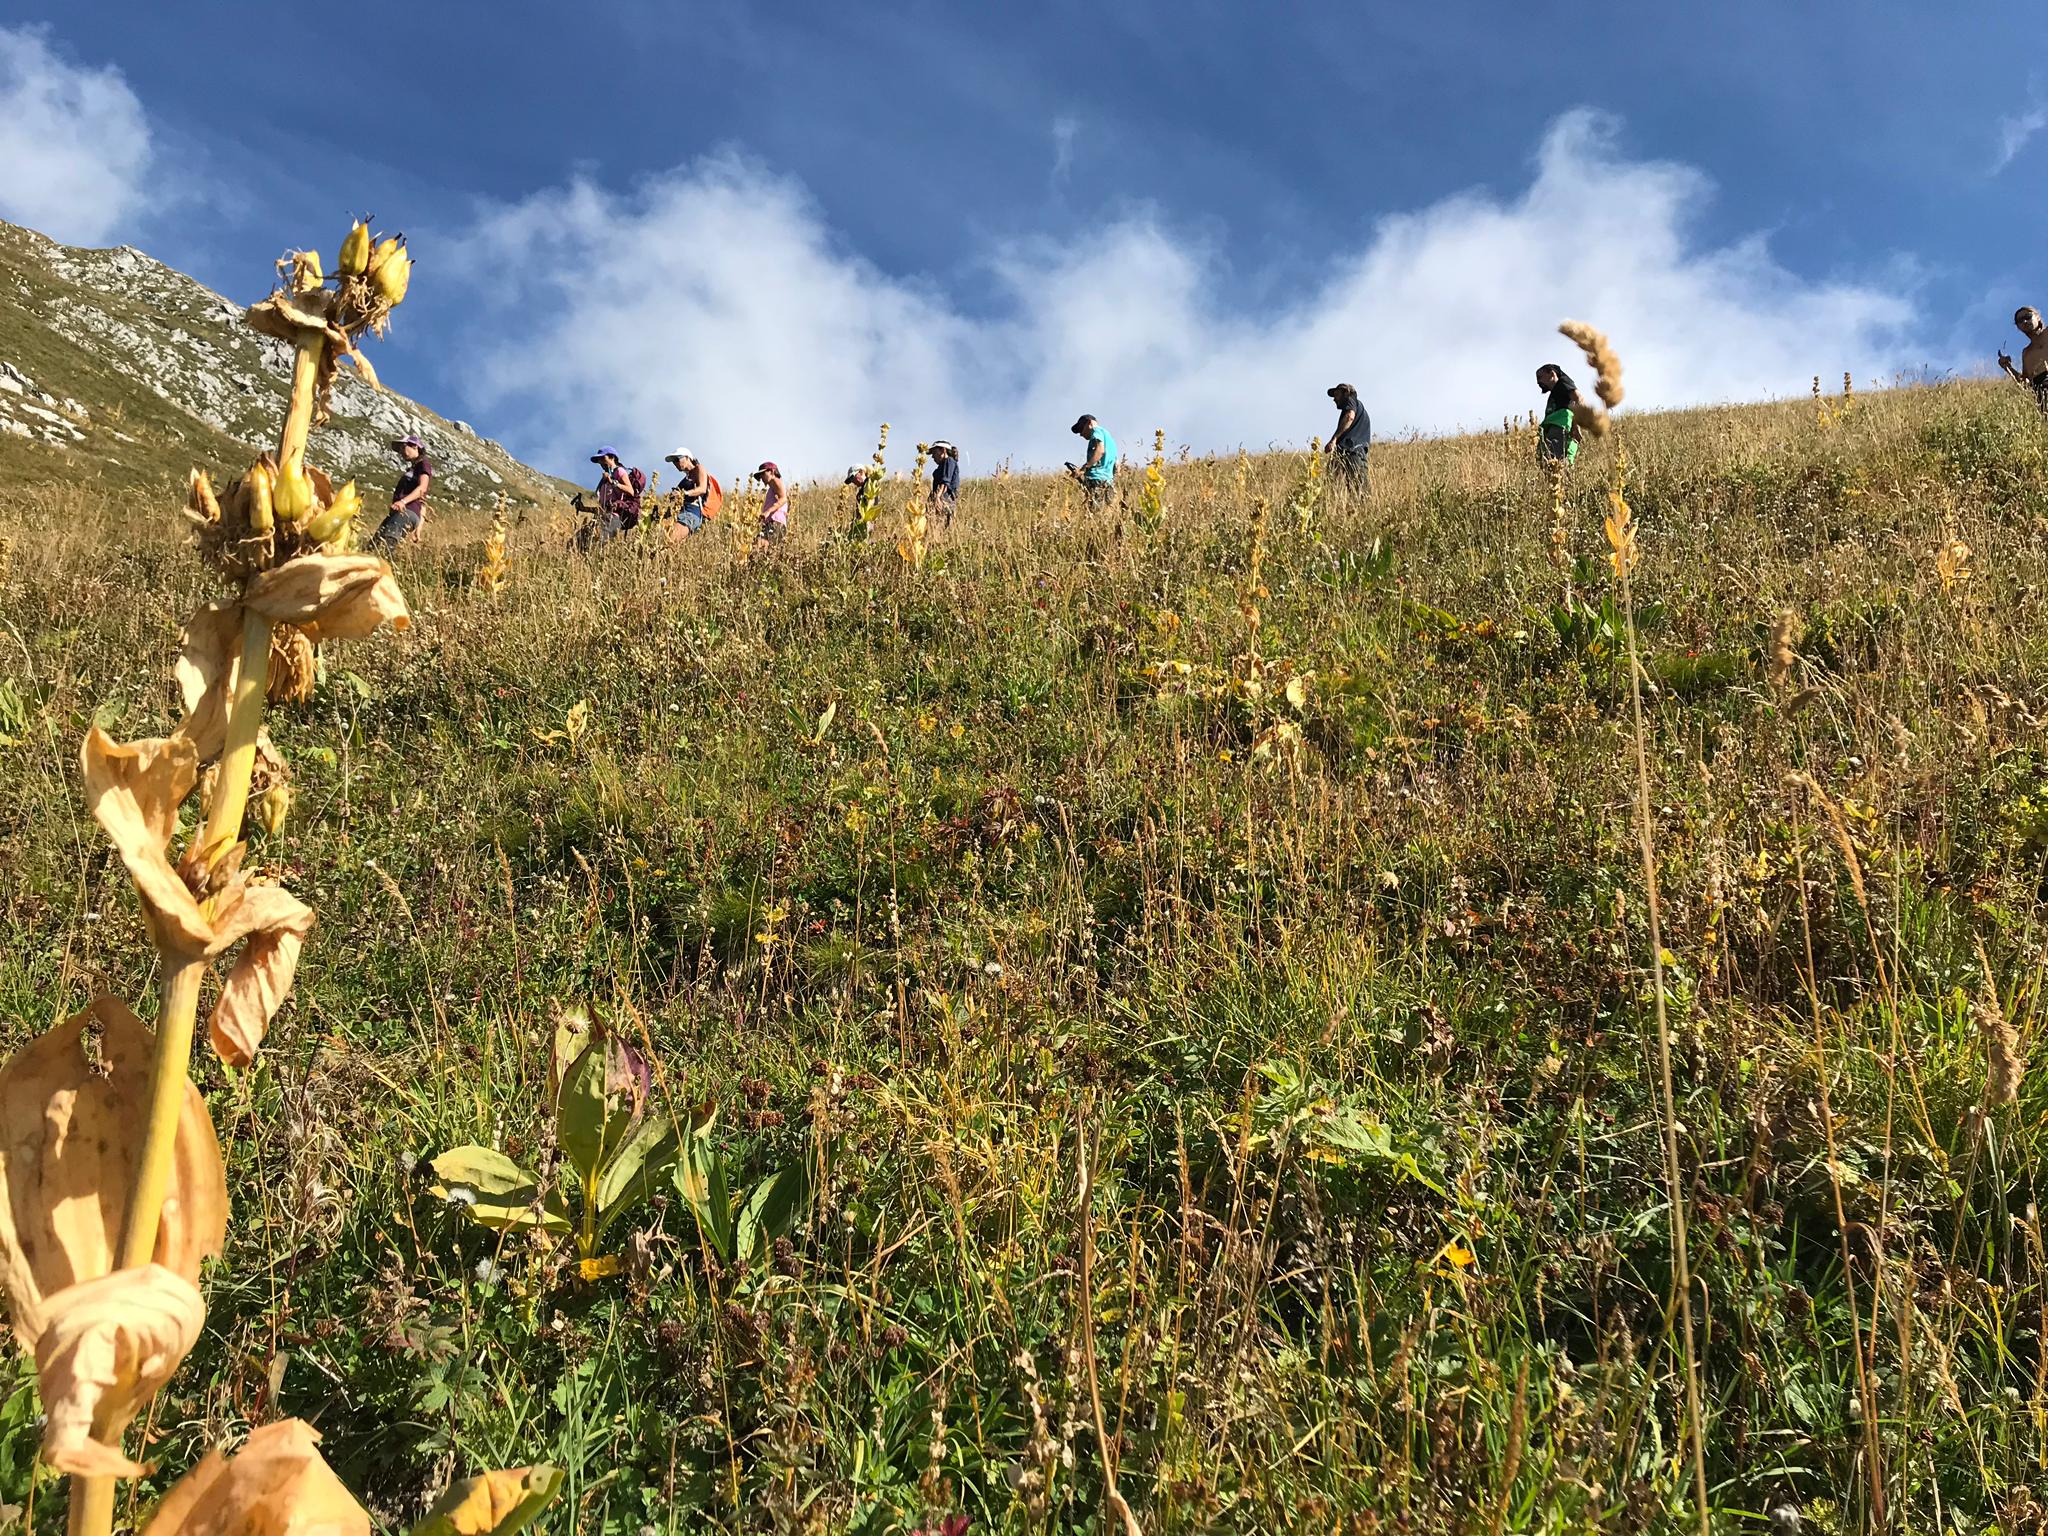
pixel 714 496
pixel 639 478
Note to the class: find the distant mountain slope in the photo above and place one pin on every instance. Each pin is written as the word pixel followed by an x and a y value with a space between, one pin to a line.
pixel 116 369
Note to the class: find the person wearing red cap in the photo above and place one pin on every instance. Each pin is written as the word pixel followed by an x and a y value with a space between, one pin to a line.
pixel 774 506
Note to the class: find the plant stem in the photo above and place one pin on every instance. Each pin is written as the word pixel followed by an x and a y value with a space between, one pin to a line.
pixel 1681 1268
pixel 92 1498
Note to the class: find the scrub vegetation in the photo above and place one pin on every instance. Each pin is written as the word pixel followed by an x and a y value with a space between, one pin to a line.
pixel 1142 1019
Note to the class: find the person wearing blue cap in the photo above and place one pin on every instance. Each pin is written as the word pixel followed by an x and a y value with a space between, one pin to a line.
pixel 408 499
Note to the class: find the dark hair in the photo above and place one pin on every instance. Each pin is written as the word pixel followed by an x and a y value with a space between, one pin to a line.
pixel 1563 378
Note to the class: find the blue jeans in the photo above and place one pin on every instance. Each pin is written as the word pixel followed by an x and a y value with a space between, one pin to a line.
pixel 396 528
pixel 690 515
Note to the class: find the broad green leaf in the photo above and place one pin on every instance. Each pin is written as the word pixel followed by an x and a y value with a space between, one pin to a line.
pixel 581 1113
pixel 700 1180
pixel 629 1178
pixel 496 1191
pixel 771 1210
pixel 492 1503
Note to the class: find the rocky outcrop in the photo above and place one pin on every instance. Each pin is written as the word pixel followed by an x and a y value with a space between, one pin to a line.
pixel 165 333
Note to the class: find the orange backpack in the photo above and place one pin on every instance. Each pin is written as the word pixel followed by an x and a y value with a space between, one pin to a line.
pixel 714 495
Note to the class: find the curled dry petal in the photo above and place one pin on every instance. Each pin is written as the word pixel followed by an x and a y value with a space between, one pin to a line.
pixel 207 663
pixel 106 1348
pixel 70 1141
pixel 278 1484
pixel 133 790
pixel 330 597
pixel 274 924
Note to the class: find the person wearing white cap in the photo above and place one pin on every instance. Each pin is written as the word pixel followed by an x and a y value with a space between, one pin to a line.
pixel 945 481
pixel 691 488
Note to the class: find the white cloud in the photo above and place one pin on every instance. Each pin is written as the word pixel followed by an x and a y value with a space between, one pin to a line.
pixel 715 305
pixel 74 144
pixel 1064 131
pixel 2017 131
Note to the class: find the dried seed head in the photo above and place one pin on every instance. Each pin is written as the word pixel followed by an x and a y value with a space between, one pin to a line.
pixel 291 665
pixel 1606 365
pixel 2004 1066
pixel 1785 635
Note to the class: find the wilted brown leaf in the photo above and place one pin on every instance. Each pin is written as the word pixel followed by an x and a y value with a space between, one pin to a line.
pixel 278 1484
pixel 107 1346
pixel 330 597
pixel 70 1139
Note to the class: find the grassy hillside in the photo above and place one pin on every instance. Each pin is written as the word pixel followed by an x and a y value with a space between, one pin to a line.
pixel 1203 969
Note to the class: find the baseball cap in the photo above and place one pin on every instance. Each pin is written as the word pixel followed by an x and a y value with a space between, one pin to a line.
pixel 682 453
pixel 1081 423
pixel 1335 391
pixel 409 441
pixel 769 467
pixel 940 442
pixel 606 452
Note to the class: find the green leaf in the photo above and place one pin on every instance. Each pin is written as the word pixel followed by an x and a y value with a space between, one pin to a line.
pixel 771 1210
pixel 629 1178
pixel 572 1039
pixel 496 1191
pixel 581 1113
pixel 492 1503
pixel 700 1179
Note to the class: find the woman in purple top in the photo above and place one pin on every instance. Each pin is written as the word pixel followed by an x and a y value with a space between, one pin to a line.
pixel 408 500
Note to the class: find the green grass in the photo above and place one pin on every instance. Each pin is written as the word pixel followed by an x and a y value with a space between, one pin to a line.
pixel 1344 991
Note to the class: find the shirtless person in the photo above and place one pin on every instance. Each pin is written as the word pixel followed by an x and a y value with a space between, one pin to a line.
pixel 2033 368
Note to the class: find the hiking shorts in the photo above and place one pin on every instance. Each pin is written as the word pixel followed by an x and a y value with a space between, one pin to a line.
pixel 772 530
pixel 690 515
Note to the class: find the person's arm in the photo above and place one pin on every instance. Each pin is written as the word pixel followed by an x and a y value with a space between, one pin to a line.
pixel 2005 362
pixel 1345 423
pixel 415 496
pixel 1094 455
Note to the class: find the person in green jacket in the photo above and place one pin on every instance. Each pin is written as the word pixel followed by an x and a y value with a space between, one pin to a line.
pixel 1559 441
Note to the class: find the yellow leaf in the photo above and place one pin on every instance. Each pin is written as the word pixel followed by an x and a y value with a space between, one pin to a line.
pixel 492 1503
pixel 599 1268
pixel 276 1485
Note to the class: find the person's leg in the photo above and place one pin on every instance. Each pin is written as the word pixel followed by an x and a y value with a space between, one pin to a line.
pixel 393 530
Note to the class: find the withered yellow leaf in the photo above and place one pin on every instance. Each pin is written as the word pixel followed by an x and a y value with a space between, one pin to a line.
pixel 106 1347
pixel 70 1141
pixel 278 1484
pixel 330 597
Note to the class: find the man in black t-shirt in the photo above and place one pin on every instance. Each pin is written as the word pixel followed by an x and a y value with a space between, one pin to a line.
pixel 1351 443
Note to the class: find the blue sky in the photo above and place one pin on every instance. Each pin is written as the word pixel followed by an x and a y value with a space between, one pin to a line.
pixel 761 230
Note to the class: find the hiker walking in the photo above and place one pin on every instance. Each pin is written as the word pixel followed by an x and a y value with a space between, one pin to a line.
pixel 408 498
pixel 618 491
pixel 693 487
pixel 2033 365
pixel 945 481
pixel 1351 443
pixel 1097 469
pixel 1559 439
pixel 774 505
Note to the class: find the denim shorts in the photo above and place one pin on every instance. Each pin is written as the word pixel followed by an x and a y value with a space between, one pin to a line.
pixel 771 530
pixel 690 515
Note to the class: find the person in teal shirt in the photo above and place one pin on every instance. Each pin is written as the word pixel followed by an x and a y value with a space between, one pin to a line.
pixel 1097 469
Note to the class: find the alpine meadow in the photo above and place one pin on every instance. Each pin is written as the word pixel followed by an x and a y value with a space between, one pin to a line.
pixel 1504 1002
